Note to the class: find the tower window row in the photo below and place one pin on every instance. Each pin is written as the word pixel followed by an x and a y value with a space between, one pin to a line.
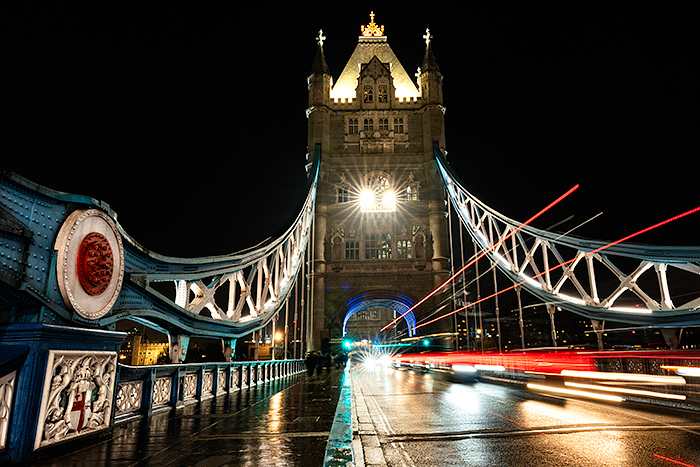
pixel 378 246
pixel 382 94
pixel 343 195
pixel 383 124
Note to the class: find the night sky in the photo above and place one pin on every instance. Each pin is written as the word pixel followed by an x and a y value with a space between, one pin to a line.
pixel 189 119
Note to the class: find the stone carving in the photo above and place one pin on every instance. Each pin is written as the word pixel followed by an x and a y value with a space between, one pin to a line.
pixel 7 389
pixel 129 396
pixel 221 381
pixel 190 387
pixel 161 391
pixel 208 382
pixel 77 396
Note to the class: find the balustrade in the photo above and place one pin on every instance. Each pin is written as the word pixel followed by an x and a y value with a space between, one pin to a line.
pixel 144 390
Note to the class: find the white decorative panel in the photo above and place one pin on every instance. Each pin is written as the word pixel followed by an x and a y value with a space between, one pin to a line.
pixel 161 391
pixel 77 395
pixel 7 389
pixel 129 396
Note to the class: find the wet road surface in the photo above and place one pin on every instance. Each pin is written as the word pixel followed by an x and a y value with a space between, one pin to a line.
pixel 409 418
pixel 282 423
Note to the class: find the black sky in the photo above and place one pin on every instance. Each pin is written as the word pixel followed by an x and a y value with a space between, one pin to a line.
pixel 189 119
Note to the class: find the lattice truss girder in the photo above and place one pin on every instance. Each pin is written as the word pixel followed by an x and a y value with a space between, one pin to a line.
pixel 607 285
pixel 226 296
pixel 252 291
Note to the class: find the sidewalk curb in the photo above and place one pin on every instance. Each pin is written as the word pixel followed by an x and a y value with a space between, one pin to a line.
pixel 339 450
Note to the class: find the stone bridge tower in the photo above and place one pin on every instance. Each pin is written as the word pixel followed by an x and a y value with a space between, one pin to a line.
pixel 380 241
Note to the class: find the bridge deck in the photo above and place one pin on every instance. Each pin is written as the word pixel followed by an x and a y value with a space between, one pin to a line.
pixel 285 422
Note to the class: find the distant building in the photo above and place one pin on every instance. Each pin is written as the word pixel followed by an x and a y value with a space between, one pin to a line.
pixel 137 350
pixel 380 239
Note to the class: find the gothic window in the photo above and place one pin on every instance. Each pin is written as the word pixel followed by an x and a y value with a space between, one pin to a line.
pixel 378 182
pixel 368 94
pixel 398 125
pixel 412 188
pixel 342 195
pixel 363 314
pixel 403 249
pixel 369 124
pixel 419 246
pixel 337 249
pixel 383 124
pixel 375 313
pixel 378 246
pixel 352 250
pixel 383 93
pixel 353 127
pixel 411 194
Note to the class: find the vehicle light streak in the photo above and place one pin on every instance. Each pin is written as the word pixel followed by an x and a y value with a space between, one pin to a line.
pixel 575 392
pixel 642 378
pixel 683 370
pixel 561 265
pixel 484 253
pixel 674 461
pixel 637 392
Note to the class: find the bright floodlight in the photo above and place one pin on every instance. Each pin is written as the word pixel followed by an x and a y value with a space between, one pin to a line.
pixel 371 201
pixel 366 199
pixel 389 198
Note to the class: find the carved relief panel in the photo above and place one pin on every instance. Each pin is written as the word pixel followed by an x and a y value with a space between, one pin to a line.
pixel 77 395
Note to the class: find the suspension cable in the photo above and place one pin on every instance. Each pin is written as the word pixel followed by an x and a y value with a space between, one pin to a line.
pixel 592 252
pixel 547 208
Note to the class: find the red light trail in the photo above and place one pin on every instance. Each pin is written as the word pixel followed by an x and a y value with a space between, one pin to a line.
pixel 659 224
pixel 672 460
pixel 547 208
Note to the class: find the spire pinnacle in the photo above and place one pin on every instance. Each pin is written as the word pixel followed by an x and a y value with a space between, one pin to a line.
pixel 372 30
pixel 427 37
pixel 320 38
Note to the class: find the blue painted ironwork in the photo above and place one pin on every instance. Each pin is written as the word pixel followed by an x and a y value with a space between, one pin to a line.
pixel 59 377
pixel 259 279
pixel 525 256
pixel 389 300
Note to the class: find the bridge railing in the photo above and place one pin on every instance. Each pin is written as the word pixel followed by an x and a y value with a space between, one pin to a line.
pixel 145 390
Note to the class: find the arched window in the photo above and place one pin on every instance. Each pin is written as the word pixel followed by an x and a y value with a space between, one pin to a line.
pixel 353 127
pixel 411 194
pixel 368 94
pixel 383 93
pixel 369 124
pixel 398 125
pixel 378 246
pixel 383 124
pixel 342 195
pixel 352 250
pixel 403 249
pixel 412 188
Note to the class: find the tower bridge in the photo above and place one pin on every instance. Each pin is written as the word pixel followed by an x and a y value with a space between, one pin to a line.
pixel 369 245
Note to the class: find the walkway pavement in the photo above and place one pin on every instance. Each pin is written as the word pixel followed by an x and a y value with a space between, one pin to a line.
pixel 289 422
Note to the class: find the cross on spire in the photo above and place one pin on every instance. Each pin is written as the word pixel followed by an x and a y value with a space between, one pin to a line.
pixel 372 29
pixel 427 37
pixel 320 38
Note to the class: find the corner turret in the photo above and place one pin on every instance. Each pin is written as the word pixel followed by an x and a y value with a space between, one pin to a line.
pixel 318 113
pixel 430 80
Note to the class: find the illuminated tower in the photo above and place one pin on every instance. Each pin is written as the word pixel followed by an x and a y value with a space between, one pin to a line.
pixel 380 240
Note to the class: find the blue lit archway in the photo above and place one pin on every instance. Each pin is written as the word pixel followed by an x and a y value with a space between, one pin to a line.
pixel 381 299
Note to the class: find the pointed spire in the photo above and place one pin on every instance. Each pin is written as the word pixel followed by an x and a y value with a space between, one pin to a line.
pixel 320 66
pixel 429 62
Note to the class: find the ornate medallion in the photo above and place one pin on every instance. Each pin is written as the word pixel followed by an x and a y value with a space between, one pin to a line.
pixel 90 262
pixel 95 263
